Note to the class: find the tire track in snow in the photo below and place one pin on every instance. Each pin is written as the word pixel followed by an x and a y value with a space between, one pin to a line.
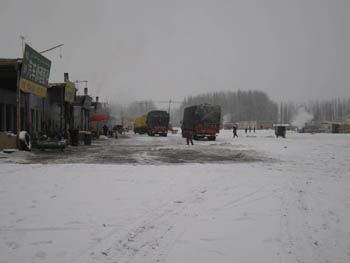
pixel 123 238
pixel 114 232
pixel 150 237
pixel 304 239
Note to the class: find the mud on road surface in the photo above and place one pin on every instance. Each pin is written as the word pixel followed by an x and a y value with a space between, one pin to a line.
pixel 141 149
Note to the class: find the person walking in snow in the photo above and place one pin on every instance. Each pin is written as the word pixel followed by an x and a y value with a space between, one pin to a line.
pixel 105 130
pixel 234 128
pixel 189 136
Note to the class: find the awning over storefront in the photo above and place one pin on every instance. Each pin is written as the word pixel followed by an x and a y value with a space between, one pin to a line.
pixel 99 117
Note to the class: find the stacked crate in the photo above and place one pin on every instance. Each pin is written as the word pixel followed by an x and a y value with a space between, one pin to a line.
pixel 344 128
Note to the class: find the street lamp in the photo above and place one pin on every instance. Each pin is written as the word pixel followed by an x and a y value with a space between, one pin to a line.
pixel 52 48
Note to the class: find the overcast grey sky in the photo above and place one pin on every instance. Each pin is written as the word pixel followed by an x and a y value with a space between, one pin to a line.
pixel 158 49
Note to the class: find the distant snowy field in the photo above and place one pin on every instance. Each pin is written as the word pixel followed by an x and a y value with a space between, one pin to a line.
pixel 291 205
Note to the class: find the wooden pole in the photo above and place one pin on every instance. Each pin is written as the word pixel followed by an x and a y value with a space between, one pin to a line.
pixel 18 104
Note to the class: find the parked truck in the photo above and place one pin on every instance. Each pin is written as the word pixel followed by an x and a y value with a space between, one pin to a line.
pixel 140 124
pixel 157 123
pixel 202 121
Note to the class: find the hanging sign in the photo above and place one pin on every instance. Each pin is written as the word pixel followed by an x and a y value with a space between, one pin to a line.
pixel 35 72
pixel 69 92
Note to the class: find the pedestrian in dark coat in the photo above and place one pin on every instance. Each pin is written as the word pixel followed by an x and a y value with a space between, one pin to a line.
pixel 189 136
pixel 105 130
pixel 234 128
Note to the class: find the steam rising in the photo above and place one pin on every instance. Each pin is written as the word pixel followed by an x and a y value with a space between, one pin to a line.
pixel 301 118
pixel 227 118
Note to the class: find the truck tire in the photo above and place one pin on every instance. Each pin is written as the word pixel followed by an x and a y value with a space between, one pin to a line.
pixel 25 141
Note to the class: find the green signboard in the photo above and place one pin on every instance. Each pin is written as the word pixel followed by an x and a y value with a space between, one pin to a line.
pixel 35 72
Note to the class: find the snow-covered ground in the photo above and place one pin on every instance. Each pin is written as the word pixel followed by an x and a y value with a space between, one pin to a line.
pixel 288 201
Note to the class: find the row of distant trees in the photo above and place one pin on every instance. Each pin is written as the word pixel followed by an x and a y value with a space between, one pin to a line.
pixel 236 106
pixel 239 106
pixel 326 110
pixel 132 110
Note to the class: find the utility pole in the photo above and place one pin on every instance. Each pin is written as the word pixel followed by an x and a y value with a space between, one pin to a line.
pixel 169 107
pixel 18 106
pixel 18 93
pixel 23 38
pixel 170 102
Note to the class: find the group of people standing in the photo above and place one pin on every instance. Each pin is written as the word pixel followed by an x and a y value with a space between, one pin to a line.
pixel 250 129
pixel 234 128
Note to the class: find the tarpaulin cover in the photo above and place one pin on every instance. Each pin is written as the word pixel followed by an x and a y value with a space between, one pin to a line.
pixel 99 117
pixel 202 114
pixel 160 118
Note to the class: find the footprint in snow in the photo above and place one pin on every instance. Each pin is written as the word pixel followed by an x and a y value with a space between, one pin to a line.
pixel 40 255
pixel 44 242
pixel 12 244
pixel 208 239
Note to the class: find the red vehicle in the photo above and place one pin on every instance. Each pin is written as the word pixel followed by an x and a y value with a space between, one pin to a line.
pixel 202 120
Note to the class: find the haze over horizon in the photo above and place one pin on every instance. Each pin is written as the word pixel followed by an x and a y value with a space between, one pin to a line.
pixel 160 50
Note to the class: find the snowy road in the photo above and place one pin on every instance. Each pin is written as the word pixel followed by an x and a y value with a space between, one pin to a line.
pixel 142 149
pixel 252 199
